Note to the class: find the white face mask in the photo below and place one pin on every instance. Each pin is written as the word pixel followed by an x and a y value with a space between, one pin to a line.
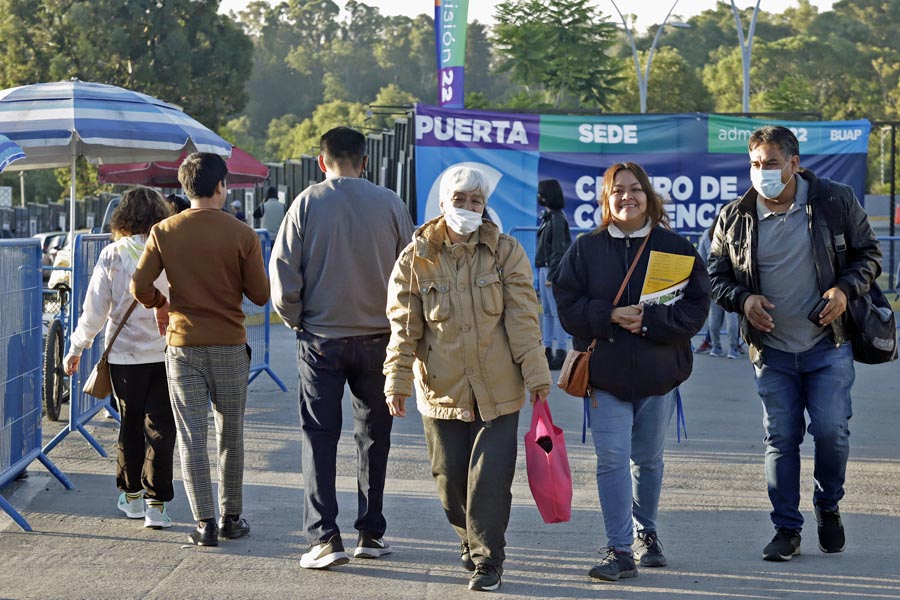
pixel 460 220
pixel 768 181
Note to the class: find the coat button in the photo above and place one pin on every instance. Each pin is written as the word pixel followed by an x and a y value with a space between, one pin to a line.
pixel 443 288
pixel 462 288
pixel 424 290
pixel 469 370
pixel 466 414
pixel 466 328
pixel 481 282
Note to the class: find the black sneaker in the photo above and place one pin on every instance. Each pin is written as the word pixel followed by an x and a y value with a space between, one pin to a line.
pixel 648 550
pixel 486 578
pixel 614 566
pixel 784 546
pixel 206 534
pixel 831 531
pixel 231 528
pixel 325 554
pixel 368 546
pixel 465 558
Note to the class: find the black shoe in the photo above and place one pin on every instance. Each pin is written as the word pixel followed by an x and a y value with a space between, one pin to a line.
pixel 465 558
pixel 614 566
pixel 486 578
pixel 368 546
pixel 231 528
pixel 648 550
pixel 206 534
pixel 831 531
pixel 325 554
pixel 784 546
pixel 548 352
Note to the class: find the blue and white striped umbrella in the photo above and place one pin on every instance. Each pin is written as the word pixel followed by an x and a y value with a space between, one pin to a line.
pixel 9 152
pixel 54 122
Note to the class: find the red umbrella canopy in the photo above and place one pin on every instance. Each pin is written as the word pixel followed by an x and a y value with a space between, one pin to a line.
pixel 243 171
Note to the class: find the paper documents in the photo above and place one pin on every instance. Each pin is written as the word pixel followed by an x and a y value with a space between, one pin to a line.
pixel 667 276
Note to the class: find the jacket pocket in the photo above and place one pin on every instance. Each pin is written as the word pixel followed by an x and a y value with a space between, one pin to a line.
pixel 435 299
pixel 491 289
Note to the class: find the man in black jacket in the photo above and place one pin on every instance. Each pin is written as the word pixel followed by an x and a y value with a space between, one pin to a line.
pixel 773 261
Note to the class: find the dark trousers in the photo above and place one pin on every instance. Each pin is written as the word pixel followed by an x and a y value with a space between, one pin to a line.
pixel 146 443
pixel 325 366
pixel 473 465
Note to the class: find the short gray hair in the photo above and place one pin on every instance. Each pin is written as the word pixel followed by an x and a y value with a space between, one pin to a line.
pixel 462 179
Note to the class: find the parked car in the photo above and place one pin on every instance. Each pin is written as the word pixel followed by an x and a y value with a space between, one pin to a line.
pixel 51 242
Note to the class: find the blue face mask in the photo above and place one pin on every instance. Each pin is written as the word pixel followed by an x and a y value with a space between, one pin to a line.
pixel 768 181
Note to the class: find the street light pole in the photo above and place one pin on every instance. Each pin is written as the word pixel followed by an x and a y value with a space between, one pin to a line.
pixel 746 50
pixel 643 75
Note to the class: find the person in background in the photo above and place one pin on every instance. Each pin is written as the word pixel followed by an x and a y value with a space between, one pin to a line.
pixel 177 203
pixel 713 340
pixel 211 261
pixel 146 443
pixel 271 212
pixel 553 239
pixel 473 349
pixel 238 209
pixel 773 261
pixel 330 265
pixel 642 353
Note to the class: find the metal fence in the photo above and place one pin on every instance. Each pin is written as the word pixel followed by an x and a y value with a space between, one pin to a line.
pixel 259 323
pixel 391 164
pixel 20 365
pixel 83 407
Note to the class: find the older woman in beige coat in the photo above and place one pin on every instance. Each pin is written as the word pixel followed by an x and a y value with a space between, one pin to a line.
pixel 465 333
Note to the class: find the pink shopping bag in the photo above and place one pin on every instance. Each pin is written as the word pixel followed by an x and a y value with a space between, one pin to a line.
pixel 547 464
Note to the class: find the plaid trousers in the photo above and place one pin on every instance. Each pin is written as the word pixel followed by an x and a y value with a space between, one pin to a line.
pixel 198 375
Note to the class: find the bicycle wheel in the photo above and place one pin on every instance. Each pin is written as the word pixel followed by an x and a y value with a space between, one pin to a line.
pixel 53 370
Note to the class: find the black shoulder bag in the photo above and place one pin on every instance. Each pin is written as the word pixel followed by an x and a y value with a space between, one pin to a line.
pixel 871 325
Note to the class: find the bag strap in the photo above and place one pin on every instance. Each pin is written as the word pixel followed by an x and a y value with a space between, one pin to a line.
pixel 118 329
pixel 631 268
pixel 834 220
pixel 634 262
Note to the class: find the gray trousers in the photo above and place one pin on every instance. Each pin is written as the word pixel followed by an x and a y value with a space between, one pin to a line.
pixel 473 466
pixel 198 375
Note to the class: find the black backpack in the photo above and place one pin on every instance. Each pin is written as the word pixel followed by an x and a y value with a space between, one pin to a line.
pixel 871 325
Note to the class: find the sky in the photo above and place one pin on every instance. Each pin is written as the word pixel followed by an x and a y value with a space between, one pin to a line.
pixel 649 12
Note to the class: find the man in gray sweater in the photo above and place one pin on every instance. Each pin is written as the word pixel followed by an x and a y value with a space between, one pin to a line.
pixel 329 269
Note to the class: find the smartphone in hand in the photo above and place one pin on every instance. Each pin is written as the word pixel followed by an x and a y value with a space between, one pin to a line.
pixel 813 315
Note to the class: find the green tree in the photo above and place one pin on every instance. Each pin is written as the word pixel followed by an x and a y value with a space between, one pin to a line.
pixel 180 51
pixel 290 138
pixel 387 107
pixel 559 46
pixel 674 86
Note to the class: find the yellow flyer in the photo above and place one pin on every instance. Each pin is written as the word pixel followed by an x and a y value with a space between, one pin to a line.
pixel 667 276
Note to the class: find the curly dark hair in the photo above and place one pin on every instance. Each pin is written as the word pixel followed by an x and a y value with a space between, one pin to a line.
pixel 140 209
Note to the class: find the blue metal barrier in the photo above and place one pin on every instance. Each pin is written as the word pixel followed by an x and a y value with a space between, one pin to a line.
pixel 20 365
pixel 258 324
pixel 83 407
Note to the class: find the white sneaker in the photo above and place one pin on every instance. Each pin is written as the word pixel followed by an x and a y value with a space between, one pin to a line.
pixel 325 554
pixel 133 509
pixel 156 518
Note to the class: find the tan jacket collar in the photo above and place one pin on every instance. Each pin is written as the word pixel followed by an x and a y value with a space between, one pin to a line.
pixel 430 237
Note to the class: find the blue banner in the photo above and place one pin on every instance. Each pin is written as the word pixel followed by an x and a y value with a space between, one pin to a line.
pixel 699 162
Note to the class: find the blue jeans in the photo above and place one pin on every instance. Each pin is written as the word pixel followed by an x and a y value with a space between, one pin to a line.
pixel 717 314
pixel 325 366
pixel 817 381
pixel 551 330
pixel 629 439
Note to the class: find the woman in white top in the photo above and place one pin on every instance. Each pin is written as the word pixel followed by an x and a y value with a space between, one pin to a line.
pixel 136 362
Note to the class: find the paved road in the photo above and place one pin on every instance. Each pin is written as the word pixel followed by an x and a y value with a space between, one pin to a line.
pixel 714 519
